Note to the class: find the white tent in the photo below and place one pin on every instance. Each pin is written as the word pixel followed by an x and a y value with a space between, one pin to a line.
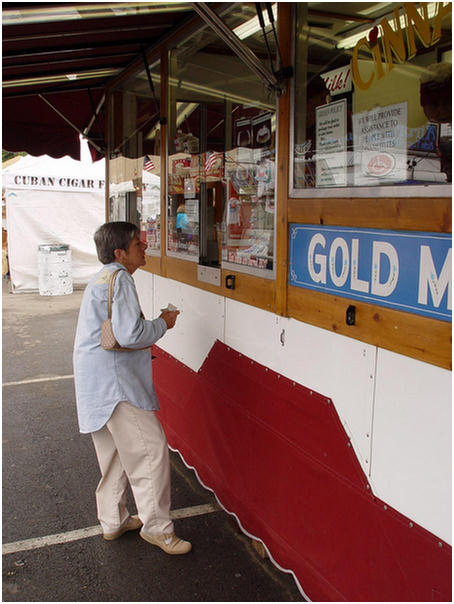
pixel 53 201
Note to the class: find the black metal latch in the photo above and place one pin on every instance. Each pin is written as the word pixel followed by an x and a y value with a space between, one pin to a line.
pixel 230 282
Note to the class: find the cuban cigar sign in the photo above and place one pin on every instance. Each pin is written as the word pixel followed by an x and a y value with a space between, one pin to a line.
pixel 56 183
pixel 404 270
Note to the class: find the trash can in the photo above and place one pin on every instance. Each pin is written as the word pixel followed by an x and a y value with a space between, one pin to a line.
pixel 55 270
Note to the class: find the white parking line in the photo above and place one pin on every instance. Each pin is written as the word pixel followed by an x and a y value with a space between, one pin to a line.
pixel 92 531
pixel 35 380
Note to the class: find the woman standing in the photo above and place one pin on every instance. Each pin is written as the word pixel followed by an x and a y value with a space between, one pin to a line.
pixel 116 398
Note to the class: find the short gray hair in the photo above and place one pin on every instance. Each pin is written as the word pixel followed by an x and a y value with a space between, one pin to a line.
pixel 114 235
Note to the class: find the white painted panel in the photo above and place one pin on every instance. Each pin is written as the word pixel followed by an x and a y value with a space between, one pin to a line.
pixel 333 365
pixel 199 325
pixel 411 446
pixel 144 286
pixel 338 367
pixel 253 332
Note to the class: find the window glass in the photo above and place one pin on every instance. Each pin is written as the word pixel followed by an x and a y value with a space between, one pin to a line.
pixel 221 153
pixel 134 158
pixel 372 95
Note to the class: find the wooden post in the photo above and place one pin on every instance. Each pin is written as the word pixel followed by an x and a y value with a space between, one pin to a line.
pixel 283 155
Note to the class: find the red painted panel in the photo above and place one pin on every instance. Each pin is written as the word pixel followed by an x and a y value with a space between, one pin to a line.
pixel 277 456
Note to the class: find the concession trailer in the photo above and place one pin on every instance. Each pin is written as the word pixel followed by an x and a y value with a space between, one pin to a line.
pixel 301 223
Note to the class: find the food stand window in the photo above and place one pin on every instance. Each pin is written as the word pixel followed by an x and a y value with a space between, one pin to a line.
pixel 221 170
pixel 372 99
pixel 134 160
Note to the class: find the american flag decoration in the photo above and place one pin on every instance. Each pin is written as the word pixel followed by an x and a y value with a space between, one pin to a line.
pixel 210 161
pixel 148 165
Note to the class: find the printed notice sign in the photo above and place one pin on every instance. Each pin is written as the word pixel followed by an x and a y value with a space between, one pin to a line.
pixel 192 209
pixel 331 140
pixel 404 270
pixel 380 145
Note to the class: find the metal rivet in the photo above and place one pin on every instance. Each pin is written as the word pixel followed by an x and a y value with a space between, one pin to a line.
pixel 440 544
pixel 367 487
pixel 266 368
pixel 349 444
pixel 385 507
pixel 293 384
pixel 278 377
pixel 411 525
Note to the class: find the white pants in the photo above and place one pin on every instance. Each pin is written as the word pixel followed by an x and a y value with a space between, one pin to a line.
pixel 132 447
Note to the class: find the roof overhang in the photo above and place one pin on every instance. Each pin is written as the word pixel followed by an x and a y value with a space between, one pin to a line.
pixel 58 60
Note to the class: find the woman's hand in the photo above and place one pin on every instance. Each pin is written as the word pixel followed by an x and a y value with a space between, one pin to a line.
pixel 170 317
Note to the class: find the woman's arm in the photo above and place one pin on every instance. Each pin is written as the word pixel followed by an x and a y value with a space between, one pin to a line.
pixel 130 329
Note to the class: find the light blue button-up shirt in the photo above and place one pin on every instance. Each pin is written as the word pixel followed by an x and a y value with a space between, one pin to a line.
pixel 103 378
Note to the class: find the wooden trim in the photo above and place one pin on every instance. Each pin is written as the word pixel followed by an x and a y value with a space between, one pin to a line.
pixel 255 291
pixel 408 214
pixel 283 154
pixel 182 270
pixel 417 337
pixel 153 264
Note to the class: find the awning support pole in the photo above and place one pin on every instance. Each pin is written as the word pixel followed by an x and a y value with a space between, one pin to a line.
pixel 258 8
pixel 162 120
pixel 70 123
pixel 95 114
pixel 234 42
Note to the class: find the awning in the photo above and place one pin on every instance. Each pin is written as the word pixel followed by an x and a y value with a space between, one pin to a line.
pixel 57 60
pixel 30 124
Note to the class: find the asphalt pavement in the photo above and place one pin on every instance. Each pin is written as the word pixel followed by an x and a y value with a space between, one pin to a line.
pixel 52 547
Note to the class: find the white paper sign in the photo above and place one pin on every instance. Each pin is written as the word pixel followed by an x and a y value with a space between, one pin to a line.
pixel 380 145
pixel 192 209
pixel 331 141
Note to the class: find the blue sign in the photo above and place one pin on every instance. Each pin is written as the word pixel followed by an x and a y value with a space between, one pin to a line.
pixel 404 270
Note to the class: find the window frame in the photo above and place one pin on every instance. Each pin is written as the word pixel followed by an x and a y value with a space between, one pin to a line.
pixel 265 273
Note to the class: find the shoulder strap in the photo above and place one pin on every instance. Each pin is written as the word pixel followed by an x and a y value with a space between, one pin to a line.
pixel 110 292
pixel 112 279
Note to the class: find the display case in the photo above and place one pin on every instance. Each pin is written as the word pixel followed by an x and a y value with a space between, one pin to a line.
pixel 221 164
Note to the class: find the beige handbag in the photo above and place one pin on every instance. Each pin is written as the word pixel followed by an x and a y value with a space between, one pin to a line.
pixel 108 341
